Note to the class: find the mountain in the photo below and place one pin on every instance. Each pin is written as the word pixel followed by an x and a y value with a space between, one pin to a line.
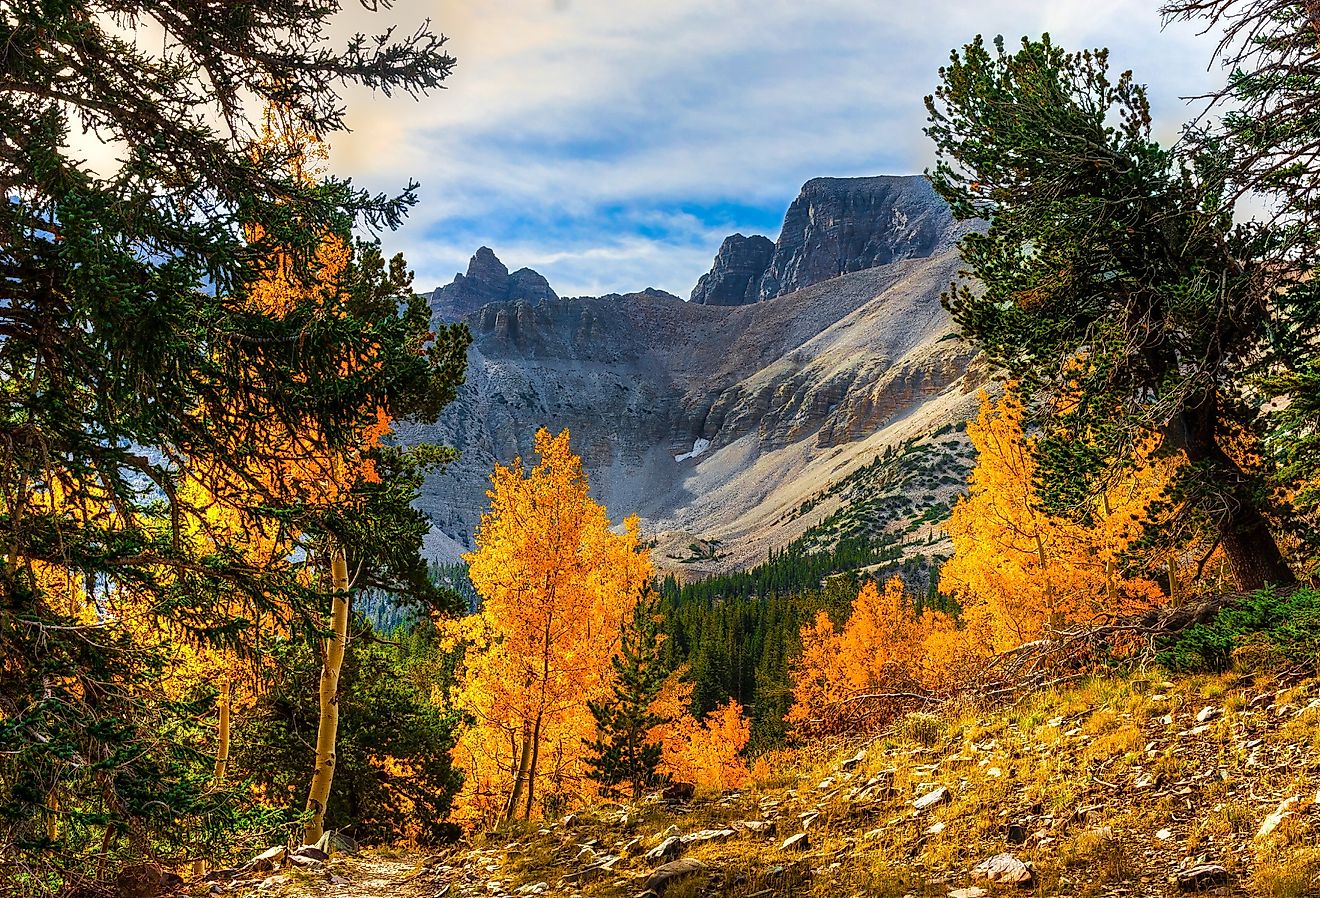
pixel 835 226
pixel 736 420
pixel 735 278
pixel 487 281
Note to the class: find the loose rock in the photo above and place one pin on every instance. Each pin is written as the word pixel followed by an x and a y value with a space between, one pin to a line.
pixel 939 795
pixel 1202 877
pixel 1281 813
pixel 665 876
pixel 854 760
pixel 797 842
pixel 1005 869
pixel 667 850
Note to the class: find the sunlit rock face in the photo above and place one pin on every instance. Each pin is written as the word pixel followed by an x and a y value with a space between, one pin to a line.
pixel 716 417
pixel 839 225
pixel 835 226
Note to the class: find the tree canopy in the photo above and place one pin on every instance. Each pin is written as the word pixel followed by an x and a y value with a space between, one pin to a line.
pixel 137 349
pixel 1113 285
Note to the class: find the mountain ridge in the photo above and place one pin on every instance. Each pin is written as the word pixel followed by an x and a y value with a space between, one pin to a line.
pixel 713 420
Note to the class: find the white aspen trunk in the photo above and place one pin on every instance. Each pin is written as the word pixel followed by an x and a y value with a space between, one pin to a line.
pixel 332 656
pixel 221 751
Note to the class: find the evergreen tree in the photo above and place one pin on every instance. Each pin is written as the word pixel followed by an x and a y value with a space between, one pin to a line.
pixel 1114 285
pixel 1268 136
pixel 135 348
pixel 621 754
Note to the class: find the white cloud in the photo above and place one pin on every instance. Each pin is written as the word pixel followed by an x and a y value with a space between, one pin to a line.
pixel 592 139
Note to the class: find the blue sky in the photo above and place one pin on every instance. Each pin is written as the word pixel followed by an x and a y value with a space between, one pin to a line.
pixel 612 145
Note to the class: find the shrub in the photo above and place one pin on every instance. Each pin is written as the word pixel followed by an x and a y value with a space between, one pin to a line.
pixel 1265 629
pixel 922 728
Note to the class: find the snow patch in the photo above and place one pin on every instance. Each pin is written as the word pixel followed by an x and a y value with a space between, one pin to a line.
pixel 698 447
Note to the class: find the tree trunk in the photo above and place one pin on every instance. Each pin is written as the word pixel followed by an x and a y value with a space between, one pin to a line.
pixel 332 656
pixel 221 750
pixel 222 732
pixel 520 774
pixel 531 768
pixel 1244 534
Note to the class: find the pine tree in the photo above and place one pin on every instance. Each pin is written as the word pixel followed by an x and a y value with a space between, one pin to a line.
pixel 1114 285
pixel 621 754
pixel 136 346
pixel 1267 136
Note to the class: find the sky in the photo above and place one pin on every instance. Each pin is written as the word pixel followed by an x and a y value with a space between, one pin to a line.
pixel 613 144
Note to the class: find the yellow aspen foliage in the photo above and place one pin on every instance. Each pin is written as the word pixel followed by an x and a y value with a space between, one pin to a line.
pixel 1018 571
pixel 555 582
pixel 816 683
pixel 853 677
pixel 291 460
pixel 706 753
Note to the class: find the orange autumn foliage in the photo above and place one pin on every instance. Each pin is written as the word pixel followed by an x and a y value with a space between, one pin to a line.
pixel 556 582
pixel 850 678
pixel 706 753
pixel 1018 571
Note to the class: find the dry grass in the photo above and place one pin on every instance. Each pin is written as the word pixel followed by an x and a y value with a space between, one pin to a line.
pixel 1126 750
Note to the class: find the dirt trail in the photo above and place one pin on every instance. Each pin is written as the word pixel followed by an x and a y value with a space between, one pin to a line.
pixel 370 875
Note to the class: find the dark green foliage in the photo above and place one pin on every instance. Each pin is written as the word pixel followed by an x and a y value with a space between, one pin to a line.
pixel 1284 630
pixel 1268 130
pixel 389 611
pixel 1115 287
pixel 130 350
pixel 621 756
pixel 738 632
pixel 454 576
pixel 789 570
pixel 889 499
pixel 393 777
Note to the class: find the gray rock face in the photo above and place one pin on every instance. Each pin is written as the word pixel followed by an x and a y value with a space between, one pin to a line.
pixel 735 278
pixel 838 225
pixel 708 420
pixel 835 226
pixel 488 280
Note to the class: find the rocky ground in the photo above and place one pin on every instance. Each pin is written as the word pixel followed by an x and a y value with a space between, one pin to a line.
pixel 1111 787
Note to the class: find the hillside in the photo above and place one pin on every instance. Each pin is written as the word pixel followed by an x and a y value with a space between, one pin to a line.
pixel 715 419
pixel 1124 785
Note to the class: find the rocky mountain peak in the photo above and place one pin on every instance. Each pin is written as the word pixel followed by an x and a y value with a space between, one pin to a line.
pixel 485 270
pixel 835 226
pixel 488 280
pixel 735 278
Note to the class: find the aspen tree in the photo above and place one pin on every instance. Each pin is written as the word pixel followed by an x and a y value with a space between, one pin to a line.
pixel 556 584
pixel 1017 570
pixel 332 655
pixel 884 648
